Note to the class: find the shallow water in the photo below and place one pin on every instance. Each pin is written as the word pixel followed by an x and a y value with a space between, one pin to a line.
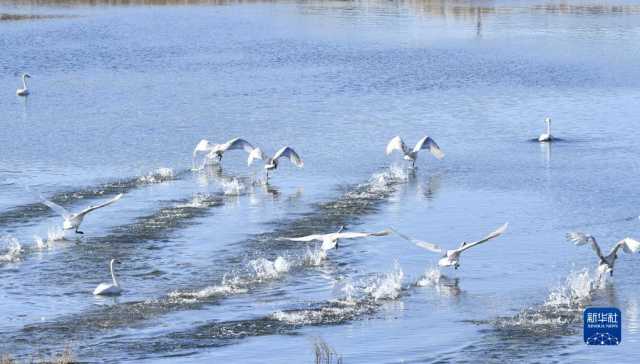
pixel 121 95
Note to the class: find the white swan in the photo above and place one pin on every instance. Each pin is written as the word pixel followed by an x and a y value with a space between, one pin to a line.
pixel 606 262
pixel 217 150
pixel 330 241
pixel 546 137
pixel 24 91
pixel 452 257
pixel 73 220
pixel 109 289
pixel 271 163
pixel 411 155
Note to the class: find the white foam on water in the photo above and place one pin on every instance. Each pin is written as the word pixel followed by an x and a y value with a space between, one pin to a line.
pixel 207 292
pixel 197 201
pixel 12 249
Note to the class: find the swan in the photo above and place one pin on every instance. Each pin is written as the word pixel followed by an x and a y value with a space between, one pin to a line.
pixel 217 150
pixel 426 142
pixel 109 289
pixel 73 220
pixel 607 262
pixel 330 241
pixel 546 137
pixel 24 91
pixel 452 257
pixel 271 163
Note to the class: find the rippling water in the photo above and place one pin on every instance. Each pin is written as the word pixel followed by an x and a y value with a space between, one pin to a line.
pixel 122 92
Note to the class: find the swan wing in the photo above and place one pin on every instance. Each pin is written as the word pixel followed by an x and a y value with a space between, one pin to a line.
pixel 202 146
pixel 579 238
pixel 494 234
pixel 104 204
pixel 255 154
pixel 428 143
pixel 396 143
pixel 355 235
pixel 57 208
pixel 630 246
pixel 423 244
pixel 288 152
pixel 238 143
pixel 308 237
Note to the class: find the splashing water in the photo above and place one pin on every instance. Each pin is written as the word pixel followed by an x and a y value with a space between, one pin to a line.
pixel 431 277
pixel 159 175
pixel 562 308
pixel 266 269
pixel 388 286
pixel 233 187
pixel 13 250
pixel 314 258
pixel 575 291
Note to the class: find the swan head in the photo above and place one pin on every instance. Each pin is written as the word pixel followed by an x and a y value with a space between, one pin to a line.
pixel 26 75
pixel 115 261
pixel 547 120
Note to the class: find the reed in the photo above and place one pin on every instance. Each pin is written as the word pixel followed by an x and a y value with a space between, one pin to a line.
pixel 324 353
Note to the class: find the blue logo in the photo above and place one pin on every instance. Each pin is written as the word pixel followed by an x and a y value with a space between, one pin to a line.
pixel 602 326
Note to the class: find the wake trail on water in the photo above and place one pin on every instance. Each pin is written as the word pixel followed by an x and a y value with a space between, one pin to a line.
pixel 265 258
pixel 360 300
pixel 23 214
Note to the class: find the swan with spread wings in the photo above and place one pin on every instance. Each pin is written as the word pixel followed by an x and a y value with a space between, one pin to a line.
pixel 412 154
pixel 330 241
pixel 606 262
pixel 452 257
pixel 73 220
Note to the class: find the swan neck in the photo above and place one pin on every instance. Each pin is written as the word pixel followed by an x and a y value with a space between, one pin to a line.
pixel 24 81
pixel 113 276
pixel 548 128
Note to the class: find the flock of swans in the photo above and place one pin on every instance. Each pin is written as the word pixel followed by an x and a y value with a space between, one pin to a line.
pixel 213 153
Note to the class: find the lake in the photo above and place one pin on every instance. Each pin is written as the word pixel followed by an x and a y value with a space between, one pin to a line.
pixel 121 93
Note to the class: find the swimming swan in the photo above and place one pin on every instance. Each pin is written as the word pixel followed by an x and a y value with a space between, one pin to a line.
pixel 546 137
pixel 109 289
pixel 24 91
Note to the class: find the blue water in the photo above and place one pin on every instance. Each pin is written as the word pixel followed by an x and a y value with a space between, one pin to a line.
pixel 121 94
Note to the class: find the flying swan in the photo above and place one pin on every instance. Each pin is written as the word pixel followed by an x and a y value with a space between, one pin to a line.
pixel 546 137
pixel 607 262
pixel 217 150
pixel 452 257
pixel 109 289
pixel 271 163
pixel 73 220
pixel 411 155
pixel 24 91
pixel 330 241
